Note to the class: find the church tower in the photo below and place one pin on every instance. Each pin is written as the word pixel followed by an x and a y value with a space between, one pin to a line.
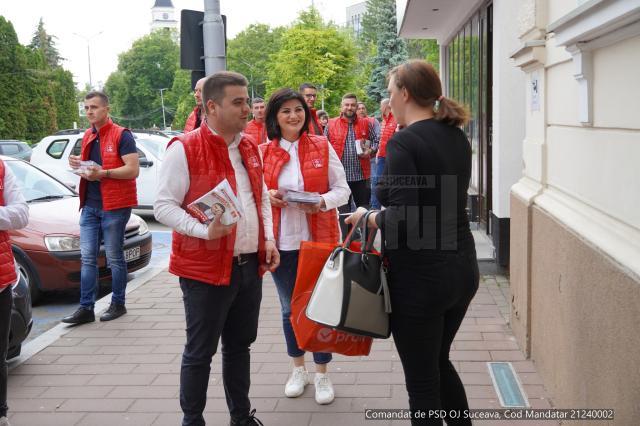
pixel 163 15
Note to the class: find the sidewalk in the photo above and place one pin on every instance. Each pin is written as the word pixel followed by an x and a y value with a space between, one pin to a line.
pixel 126 372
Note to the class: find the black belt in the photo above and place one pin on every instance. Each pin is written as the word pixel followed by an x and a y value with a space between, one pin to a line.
pixel 244 258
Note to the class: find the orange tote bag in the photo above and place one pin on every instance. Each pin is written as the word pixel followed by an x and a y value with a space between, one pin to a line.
pixel 311 336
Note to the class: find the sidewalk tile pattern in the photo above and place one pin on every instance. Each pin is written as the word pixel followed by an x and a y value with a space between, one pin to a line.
pixel 126 372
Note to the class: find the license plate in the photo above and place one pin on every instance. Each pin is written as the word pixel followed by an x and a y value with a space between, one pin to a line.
pixel 132 254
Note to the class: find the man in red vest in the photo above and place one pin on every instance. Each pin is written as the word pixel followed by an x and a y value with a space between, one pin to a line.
pixel 220 266
pixel 256 129
pixel 361 111
pixel 345 133
pixel 14 214
pixel 194 119
pixel 310 93
pixel 389 126
pixel 107 194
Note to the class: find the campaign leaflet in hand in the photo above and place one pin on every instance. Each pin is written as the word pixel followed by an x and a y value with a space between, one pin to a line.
pixel 291 196
pixel 361 145
pixel 84 167
pixel 220 201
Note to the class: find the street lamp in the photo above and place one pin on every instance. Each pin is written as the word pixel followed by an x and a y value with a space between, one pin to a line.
pixel 164 121
pixel 251 67
pixel 88 40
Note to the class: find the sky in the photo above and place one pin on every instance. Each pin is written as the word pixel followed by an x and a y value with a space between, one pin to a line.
pixel 113 25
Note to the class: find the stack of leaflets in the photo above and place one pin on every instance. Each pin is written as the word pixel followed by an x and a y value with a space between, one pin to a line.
pixel 291 196
pixel 361 145
pixel 220 201
pixel 84 167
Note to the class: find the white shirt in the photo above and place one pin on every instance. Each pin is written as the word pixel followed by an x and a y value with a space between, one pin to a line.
pixel 294 227
pixel 172 190
pixel 15 212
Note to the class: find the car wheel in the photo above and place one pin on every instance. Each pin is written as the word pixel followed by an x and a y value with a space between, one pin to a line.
pixel 26 270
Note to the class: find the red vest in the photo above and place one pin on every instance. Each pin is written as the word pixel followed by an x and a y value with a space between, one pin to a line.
pixel 389 126
pixel 210 261
pixel 116 193
pixel 193 121
pixel 256 131
pixel 338 128
pixel 315 127
pixel 7 268
pixel 313 153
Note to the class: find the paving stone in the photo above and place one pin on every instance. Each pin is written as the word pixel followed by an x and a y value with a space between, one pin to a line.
pixel 41 405
pixel 69 350
pixel 59 380
pixel 46 419
pixel 123 379
pixel 103 369
pixel 507 356
pixel 139 392
pixel 79 392
pixel 110 419
pixel 95 405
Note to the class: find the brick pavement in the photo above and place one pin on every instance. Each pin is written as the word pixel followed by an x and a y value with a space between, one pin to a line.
pixel 126 372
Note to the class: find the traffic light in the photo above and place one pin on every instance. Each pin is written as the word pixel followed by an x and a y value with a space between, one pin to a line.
pixel 192 43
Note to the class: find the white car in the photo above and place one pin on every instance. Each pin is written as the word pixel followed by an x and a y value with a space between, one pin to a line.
pixel 52 156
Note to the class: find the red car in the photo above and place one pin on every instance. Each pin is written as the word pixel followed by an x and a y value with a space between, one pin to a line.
pixel 47 250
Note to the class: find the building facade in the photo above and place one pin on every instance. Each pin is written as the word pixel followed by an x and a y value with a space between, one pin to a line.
pixel 551 85
pixel 163 15
pixel 354 17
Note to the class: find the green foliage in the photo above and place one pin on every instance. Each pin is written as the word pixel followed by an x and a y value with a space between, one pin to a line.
pixel 13 121
pixel 37 96
pixel 44 42
pixel 181 96
pixel 315 52
pixel 134 89
pixel 391 50
pixel 248 53
pixel 425 49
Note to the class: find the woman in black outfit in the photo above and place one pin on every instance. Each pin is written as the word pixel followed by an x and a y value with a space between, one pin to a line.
pixel 433 271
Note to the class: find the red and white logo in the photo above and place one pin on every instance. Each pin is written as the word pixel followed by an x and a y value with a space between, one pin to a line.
pixel 109 148
pixel 253 161
pixel 317 163
pixel 325 335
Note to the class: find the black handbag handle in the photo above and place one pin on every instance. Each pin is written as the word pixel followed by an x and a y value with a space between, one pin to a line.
pixel 351 235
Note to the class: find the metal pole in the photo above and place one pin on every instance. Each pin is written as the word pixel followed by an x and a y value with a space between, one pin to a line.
pixel 89 57
pixel 164 121
pixel 213 34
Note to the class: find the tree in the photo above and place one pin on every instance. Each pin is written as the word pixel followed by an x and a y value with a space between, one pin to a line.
pixel 425 49
pixel 13 122
pixel 390 49
pixel 134 89
pixel 45 43
pixel 315 52
pixel 249 52
pixel 181 96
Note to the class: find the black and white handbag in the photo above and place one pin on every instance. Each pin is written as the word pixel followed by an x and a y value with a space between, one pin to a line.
pixel 351 293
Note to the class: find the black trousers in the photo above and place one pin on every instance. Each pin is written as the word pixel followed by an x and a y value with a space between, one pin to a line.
pixel 5 325
pixel 360 196
pixel 212 313
pixel 430 295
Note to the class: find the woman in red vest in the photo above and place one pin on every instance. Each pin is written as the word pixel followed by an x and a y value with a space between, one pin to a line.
pixel 296 160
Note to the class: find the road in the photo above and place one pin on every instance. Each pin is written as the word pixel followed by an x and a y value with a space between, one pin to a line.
pixel 58 304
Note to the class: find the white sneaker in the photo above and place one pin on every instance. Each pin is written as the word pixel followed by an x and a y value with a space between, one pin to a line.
pixel 4 421
pixel 324 389
pixel 296 383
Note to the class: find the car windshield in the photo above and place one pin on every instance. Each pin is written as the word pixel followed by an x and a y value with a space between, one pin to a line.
pixel 37 185
pixel 157 146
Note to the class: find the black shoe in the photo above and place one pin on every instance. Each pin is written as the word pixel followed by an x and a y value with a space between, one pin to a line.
pixel 114 311
pixel 81 316
pixel 247 421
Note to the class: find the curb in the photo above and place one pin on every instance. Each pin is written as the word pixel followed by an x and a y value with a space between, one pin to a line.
pixel 53 334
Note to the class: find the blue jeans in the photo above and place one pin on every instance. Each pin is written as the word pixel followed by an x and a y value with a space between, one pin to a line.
pixel 285 279
pixel 379 167
pixel 213 313
pixel 96 224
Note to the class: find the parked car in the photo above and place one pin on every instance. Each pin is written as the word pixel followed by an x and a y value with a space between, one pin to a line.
pixel 47 250
pixel 52 156
pixel 16 149
pixel 21 321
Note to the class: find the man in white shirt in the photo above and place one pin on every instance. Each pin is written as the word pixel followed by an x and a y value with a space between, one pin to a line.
pixel 14 214
pixel 219 266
